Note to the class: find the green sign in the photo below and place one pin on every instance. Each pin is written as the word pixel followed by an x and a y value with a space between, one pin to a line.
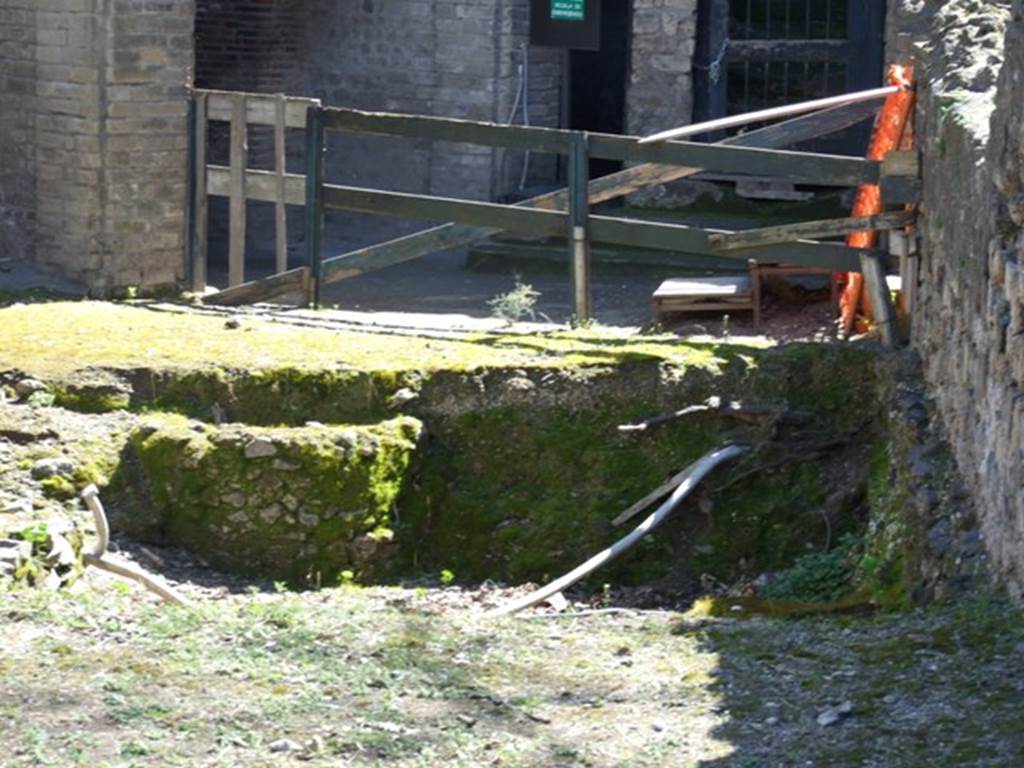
pixel 568 10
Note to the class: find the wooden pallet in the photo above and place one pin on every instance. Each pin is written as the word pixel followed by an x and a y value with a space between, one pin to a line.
pixel 731 293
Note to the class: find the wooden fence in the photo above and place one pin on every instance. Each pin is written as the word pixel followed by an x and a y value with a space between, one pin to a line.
pixel 563 213
pixel 236 181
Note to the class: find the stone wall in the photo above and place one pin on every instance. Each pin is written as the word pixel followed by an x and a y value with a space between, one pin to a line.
pixel 94 112
pixel 969 324
pixel 452 59
pixel 660 90
pixel 455 59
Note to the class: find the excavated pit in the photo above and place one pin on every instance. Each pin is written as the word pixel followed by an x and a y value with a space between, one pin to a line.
pixel 507 474
pixel 511 472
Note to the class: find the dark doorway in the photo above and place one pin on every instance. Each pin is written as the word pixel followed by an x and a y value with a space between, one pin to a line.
pixel 597 81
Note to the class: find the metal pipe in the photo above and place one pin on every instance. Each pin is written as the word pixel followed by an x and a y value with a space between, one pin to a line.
pixel 694 474
pixel 770 114
pixel 97 557
pixel 91 496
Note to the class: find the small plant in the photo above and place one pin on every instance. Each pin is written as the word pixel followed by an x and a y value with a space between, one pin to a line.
pixel 447 577
pixel 518 303
pixel 42 399
pixel 821 577
pixel 347 578
pixel 37 533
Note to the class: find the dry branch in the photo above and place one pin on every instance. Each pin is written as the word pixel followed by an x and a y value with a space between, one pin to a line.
pixel 753 414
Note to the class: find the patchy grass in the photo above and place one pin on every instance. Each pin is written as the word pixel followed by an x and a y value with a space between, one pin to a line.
pixel 59 338
pixel 421 678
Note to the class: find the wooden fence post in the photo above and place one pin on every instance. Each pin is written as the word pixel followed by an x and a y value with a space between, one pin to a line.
pixel 197 193
pixel 314 199
pixel 281 167
pixel 239 157
pixel 881 302
pixel 579 237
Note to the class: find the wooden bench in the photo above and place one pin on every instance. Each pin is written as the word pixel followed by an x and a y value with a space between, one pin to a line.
pixel 732 293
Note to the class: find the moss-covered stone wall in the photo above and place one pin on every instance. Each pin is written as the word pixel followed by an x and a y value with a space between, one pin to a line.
pixel 299 504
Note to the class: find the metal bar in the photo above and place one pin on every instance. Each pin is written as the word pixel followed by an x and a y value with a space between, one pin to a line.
pixel 315 151
pixel 239 162
pixel 606 188
pixel 201 219
pixel 579 237
pixel 770 114
pixel 281 170
pixel 746 85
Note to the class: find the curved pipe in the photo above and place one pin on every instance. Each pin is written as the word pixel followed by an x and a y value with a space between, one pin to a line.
pixel 693 475
pixel 91 496
pixel 97 557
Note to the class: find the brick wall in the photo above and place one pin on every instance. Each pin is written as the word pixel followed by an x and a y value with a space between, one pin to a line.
pixel 17 127
pixel 93 97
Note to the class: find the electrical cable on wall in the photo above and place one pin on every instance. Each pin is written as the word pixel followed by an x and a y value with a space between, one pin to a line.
pixel 522 98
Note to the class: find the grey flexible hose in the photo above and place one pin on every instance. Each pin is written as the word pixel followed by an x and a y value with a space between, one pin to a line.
pixel 694 474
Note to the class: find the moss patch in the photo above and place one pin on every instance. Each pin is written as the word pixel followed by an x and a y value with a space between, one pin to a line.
pixel 58 339
pixel 523 492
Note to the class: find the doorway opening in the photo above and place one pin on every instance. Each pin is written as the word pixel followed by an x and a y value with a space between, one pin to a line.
pixel 597 81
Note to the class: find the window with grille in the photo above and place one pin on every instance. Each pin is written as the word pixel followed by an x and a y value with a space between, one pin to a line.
pixel 756 54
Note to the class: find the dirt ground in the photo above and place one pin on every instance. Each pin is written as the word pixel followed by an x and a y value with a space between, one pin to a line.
pixel 421 676
pixel 440 286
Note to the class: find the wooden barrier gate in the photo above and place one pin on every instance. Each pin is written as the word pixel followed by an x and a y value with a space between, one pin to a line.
pixel 562 213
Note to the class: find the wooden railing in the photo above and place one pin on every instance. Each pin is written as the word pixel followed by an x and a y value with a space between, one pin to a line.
pixel 236 181
pixel 564 213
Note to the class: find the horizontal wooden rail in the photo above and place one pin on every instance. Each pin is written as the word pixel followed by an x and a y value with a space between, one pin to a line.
pixel 627 181
pixel 603 229
pixel 788 233
pixel 292 281
pixel 259 185
pixel 261 108
pixel 825 170
pixel 506 218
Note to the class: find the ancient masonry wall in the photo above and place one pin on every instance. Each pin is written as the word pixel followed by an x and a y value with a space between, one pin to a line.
pixel 453 59
pixel 969 325
pixel 458 59
pixel 93 118
pixel 660 88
